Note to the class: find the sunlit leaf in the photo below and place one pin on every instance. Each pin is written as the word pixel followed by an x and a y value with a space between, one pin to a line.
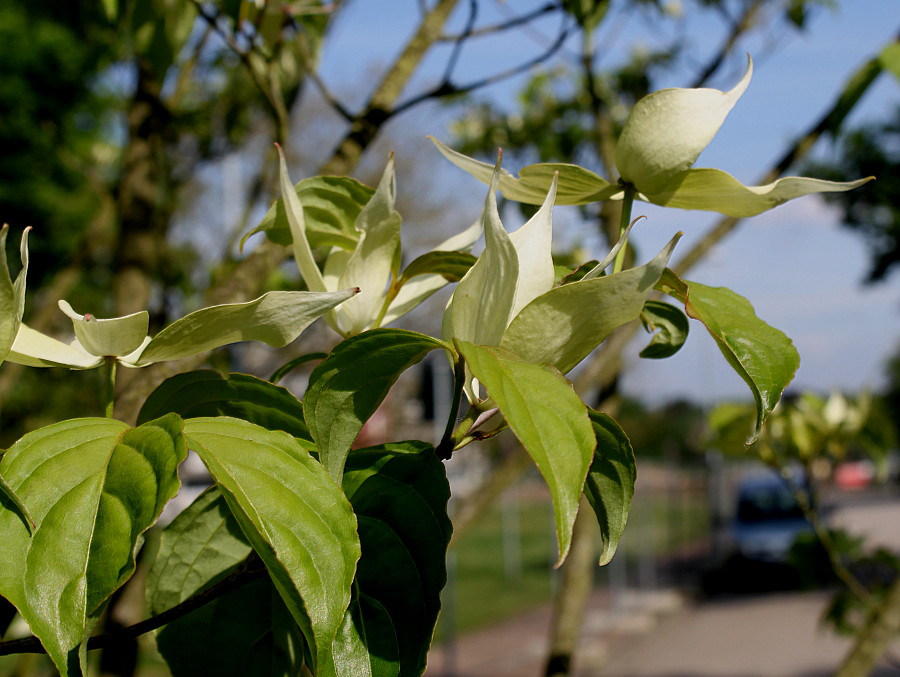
pixel 667 130
pixel 610 481
pixel 563 326
pixel 207 393
pixel 714 190
pixel 331 205
pixel 399 493
pixel 297 520
pixel 760 354
pixel 346 389
pixel 452 266
pixel 276 318
pixel 669 326
pixel 93 486
pixel 248 631
pixel 548 418
pixel 576 184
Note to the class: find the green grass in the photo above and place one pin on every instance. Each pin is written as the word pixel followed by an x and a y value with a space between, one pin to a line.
pixel 482 592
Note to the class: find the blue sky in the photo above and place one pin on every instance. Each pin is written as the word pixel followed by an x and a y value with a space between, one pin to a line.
pixel 801 270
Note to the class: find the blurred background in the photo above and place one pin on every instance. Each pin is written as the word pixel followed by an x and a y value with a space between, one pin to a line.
pixel 137 141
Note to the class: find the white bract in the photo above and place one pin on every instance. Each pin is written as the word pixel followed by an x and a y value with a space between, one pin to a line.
pixel 276 318
pixel 508 297
pixel 373 264
pixel 662 138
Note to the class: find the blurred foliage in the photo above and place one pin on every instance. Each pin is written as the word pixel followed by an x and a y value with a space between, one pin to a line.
pixel 673 431
pixel 50 120
pixel 872 211
pixel 807 429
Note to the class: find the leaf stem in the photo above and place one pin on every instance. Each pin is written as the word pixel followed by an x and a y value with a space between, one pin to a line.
pixel 627 203
pixel 445 448
pixel 110 385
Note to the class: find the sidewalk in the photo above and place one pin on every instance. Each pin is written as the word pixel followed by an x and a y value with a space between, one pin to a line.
pixel 518 647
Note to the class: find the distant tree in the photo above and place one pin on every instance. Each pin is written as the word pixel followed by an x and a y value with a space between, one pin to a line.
pixel 871 150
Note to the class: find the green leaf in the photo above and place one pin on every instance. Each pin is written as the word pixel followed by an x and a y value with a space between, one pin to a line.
pixel 399 493
pixel 331 205
pixel 11 501
pixel 12 294
pixel 716 191
pixel 548 418
pixel 890 59
pixel 297 520
pixel 563 326
pixel 113 337
pixel 576 185
pixel 208 393
pixel 198 548
pixel 276 318
pixel 93 486
pixel 248 631
pixel 761 355
pixel 667 130
pixel 346 389
pixel 670 326
pixel 452 266
pixel 372 263
pixel 610 481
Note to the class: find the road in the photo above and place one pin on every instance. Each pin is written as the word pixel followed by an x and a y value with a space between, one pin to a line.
pixel 652 635
pixel 774 635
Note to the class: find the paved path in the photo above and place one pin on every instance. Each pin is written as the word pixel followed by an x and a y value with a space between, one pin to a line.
pixel 657 634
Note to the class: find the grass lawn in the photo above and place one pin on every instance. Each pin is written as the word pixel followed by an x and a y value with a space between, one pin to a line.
pixel 492 580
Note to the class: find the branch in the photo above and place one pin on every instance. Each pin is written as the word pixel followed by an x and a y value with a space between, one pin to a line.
pixel 738 28
pixel 446 88
pixel 249 570
pixel 506 25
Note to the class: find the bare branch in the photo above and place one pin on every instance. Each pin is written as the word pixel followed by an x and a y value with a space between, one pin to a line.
pixel 504 26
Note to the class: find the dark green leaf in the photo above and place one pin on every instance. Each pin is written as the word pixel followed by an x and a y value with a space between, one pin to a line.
pixel 548 418
pixel 93 487
pixel 761 355
pixel 297 520
pixel 208 393
pixel 610 481
pixel 451 265
pixel 566 275
pixel 288 367
pixel 330 207
pixel 346 389
pixel 670 326
pixel 248 631
pixel 399 493
pixel 201 546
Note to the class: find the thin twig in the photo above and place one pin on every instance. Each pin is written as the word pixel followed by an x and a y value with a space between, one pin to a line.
pixel 248 571
pixel 504 26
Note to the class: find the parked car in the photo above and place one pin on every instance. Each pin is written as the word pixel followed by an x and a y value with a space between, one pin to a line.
pixel 768 518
